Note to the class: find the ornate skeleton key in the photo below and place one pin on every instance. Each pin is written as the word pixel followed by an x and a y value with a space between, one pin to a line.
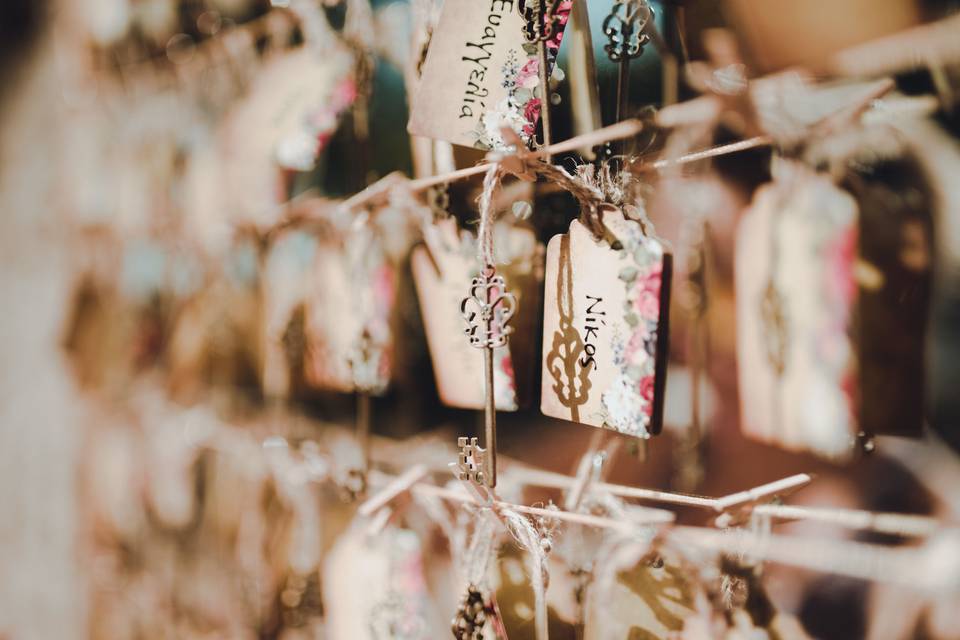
pixel 624 27
pixel 471 460
pixel 364 362
pixel 486 311
pixel 539 18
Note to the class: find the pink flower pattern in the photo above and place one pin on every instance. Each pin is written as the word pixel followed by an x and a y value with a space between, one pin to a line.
pixel 520 110
pixel 532 113
pixel 641 348
pixel 628 402
pixel 840 254
pixel 562 15
pixel 529 70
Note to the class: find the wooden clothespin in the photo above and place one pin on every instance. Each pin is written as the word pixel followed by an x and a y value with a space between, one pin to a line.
pixel 376 506
pixel 736 507
pixel 724 83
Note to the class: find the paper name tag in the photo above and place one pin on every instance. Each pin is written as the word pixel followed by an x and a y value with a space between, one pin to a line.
pixel 349 315
pixel 286 118
pixel 795 291
pixel 480 75
pixel 645 601
pixel 442 271
pixel 605 328
pixel 376 588
pixel 283 290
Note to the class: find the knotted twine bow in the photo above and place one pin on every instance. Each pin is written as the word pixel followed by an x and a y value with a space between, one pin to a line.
pixel 526 165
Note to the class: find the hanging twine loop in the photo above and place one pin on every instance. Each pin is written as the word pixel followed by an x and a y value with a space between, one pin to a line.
pixel 491 182
pixel 531 541
pixel 518 161
pixel 594 189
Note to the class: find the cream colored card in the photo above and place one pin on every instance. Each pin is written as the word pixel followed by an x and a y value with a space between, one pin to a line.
pixel 646 601
pixel 375 587
pixel 796 248
pixel 480 75
pixel 349 315
pixel 605 328
pixel 442 271
pixel 283 290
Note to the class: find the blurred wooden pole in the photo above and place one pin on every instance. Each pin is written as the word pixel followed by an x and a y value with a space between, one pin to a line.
pixel 44 423
pixel 582 72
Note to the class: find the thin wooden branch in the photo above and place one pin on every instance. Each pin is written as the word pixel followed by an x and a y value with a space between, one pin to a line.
pixel 397 486
pixel 897 524
pixel 379 189
pixel 650 516
pixel 932 567
pixel 763 492
pixel 539 477
pixel 916 567
pixel 542 478
pixel 637 165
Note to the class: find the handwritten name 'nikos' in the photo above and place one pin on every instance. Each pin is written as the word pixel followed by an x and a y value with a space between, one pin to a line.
pixel 591 325
pixel 478 55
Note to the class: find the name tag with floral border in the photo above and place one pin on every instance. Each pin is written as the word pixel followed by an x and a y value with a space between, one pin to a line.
pixel 606 304
pixel 480 75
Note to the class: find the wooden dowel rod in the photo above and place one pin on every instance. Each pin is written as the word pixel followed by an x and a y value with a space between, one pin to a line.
pixel 541 478
pixel 890 523
pixel 902 565
pixel 655 516
pixel 763 492
pixel 913 567
pixel 734 147
pixel 625 129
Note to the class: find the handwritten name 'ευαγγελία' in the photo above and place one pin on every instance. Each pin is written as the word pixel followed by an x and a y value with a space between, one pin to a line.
pixel 478 55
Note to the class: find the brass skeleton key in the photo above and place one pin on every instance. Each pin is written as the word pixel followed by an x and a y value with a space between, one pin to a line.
pixel 486 311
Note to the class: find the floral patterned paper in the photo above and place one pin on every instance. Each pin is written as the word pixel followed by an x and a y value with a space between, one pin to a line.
pixel 605 313
pixel 481 75
pixel 629 402
pixel 520 110
pixel 442 272
pixel 796 295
